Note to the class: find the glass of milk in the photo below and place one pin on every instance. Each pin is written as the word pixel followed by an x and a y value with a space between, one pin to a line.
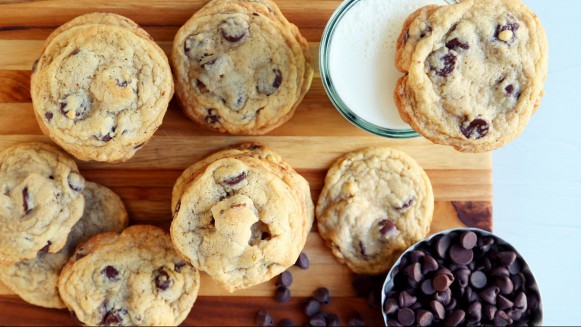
pixel 357 62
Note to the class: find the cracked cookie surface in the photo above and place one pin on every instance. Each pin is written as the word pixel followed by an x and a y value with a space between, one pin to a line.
pixel 474 72
pixel 241 219
pixel 240 67
pixel 375 203
pixel 40 201
pixel 101 87
pixel 130 279
pixel 35 280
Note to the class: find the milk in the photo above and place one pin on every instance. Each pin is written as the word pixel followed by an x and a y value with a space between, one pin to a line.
pixel 362 58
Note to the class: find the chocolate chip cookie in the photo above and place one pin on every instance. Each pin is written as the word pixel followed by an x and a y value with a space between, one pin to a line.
pixel 132 279
pixel 241 219
pixel 375 203
pixel 40 200
pixel 35 280
pixel 101 87
pixel 240 67
pixel 474 72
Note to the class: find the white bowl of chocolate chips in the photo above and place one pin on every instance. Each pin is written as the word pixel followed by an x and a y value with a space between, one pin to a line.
pixel 461 277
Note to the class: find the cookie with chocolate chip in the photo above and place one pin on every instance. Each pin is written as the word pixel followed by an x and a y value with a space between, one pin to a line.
pixel 40 201
pixel 474 72
pixel 35 280
pixel 376 202
pixel 240 67
pixel 101 87
pixel 134 278
pixel 241 219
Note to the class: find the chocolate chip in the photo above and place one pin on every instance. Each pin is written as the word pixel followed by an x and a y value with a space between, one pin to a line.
pixel 475 129
pixel 318 320
pixel 405 299
pixel 520 301
pixel 282 294
pixel 277 78
pixel 212 117
pixel 406 36
pixel 485 243
pixel 410 202
pixel 424 318
pixel 46 248
pixel 513 27
pixel 438 309
pixel 111 272
pixel 414 272
pixel 178 266
pixel 484 264
pixel 478 279
pixel 475 311
pixel 234 29
pixel 112 318
pixel 442 246
pixel 122 83
pixel 322 295
pixel 504 284
pixel 76 182
pixel 503 303
pixel 286 323
pixel 462 276
pixel 455 44
pixel 441 282
pixel 517 281
pixel 452 305
pixel 303 261
pixel 443 297
pixel 178 206
pixel 269 81
pixel 236 179
pixel 514 314
pixel 449 64
pixel 387 227
pixel 35 65
pixel 263 318
pixel 505 258
pixel 313 306
pixel 455 318
pixel 415 256
pixel 106 138
pixel 25 199
pixel 501 319
pixel 362 248
pixel 471 295
pixel 468 240
pixel 427 287
pixel 162 279
pixel 285 279
pixel 406 316
pixel 48 115
pixel 489 294
pixel 390 306
pixel 429 264
pixel 499 272
pixel 489 311
pixel 515 267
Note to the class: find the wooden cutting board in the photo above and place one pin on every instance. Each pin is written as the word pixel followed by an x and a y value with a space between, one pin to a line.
pixel 310 142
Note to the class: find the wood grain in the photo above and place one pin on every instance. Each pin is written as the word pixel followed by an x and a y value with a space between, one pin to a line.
pixel 315 137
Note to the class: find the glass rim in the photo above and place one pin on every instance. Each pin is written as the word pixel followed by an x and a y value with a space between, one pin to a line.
pixel 331 91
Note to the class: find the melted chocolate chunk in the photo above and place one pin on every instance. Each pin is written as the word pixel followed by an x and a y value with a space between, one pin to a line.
pixel 48 115
pixel 449 64
pixel 112 318
pixel 234 29
pixel 236 179
pixel 455 44
pixel 212 117
pixel 476 129
pixel 46 248
pixel 269 81
pixel 25 199
pixel 162 280
pixel 178 266
pixel 111 272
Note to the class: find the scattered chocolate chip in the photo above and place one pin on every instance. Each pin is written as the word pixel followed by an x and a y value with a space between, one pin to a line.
pixel 489 311
pixel 462 275
pixel 505 258
pixel 406 299
pixel 502 319
pixel 438 309
pixel 287 323
pixel 285 279
pixel 504 284
pixel 25 199
pixel 443 297
pixel 313 306
pixel 475 311
pixel 303 261
pixel 427 287
pixel 263 318
pixel 429 264
pixel 515 267
pixel 455 318
pixel 449 64
pixel 455 44
pixel 406 316
pixel 478 279
pixel 178 266
pixel 162 279
pixel 451 306
pixel 441 282
pixel 475 129
pixel 48 115
pixel 503 303
pixel 322 295
pixel 499 272
pixel 111 272
pixel 282 294
pixel 424 318
pixel 489 294
pixel 233 30
pixel 442 246
pixel 387 227
pixel 46 248
pixel 520 301
pixel 415 256
pixel 319 319
pixel 390 306
pixel 414 272
pixel 236 179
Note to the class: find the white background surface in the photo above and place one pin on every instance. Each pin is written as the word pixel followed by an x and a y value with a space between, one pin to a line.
pixel 537 177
